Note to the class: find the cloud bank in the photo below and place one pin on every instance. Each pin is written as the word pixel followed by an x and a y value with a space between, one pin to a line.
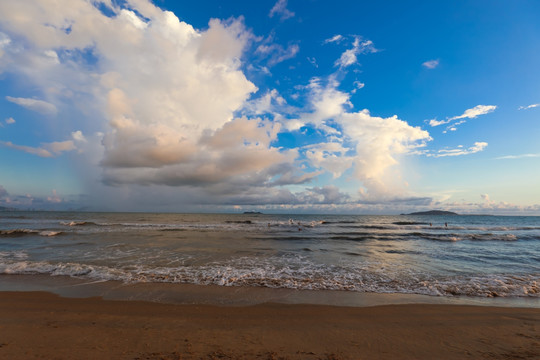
pixel 156 104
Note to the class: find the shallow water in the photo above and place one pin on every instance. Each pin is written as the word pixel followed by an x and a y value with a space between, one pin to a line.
pixel 476 256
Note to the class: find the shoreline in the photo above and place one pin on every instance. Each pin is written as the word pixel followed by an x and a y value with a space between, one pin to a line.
pixel 180 293
pixel 42 324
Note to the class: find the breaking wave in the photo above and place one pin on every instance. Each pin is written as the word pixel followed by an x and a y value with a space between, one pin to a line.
pixel 294 273
pixel 23 232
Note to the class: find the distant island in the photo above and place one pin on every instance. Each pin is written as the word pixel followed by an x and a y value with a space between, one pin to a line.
pixel 252 212
pixel 433 212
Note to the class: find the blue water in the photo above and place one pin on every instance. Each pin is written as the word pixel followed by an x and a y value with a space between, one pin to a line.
pixel 478 256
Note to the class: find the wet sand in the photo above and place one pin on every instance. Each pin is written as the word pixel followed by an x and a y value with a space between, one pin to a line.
pixel 44 325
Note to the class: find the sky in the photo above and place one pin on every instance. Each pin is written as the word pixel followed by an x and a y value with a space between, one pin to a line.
pixel 281 106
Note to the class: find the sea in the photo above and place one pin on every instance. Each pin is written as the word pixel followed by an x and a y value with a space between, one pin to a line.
pixel 439 256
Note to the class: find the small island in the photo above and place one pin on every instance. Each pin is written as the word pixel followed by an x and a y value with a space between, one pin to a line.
pixel 433 212
pixel 252 212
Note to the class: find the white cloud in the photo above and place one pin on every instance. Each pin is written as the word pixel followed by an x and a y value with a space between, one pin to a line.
pixel 163 101
pixel 46 150
pixel 4 42
pixel 276 53
pixel 358 85
pixel 468 114
pixel 328 194
pixel 40 106
pixel 280 8
pixel 374 143
pixel 477 147
pixel 349 57
pixel 58 147
pixel 528 107
pixel 78 136
pixel 330 157
pixel 163 96
pixel 55 198
pixel 475 112
pixel 28 149
pixel 312 61
pixel 10 121
pixel 435 122
pixel 265 104
pixel 521 156
pixel 431 64
pixel 336 38
pixel 485 206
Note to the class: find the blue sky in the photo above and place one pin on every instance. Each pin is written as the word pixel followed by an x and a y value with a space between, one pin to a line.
pixel 281 106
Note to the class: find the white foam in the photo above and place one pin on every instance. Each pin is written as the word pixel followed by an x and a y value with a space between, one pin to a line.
pixel 50 233
pixel 15 232
pixel 293 273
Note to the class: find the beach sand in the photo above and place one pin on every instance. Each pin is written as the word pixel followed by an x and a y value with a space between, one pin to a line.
pixel 44 325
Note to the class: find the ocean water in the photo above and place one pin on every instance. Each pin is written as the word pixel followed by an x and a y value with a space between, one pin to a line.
pixel 473 256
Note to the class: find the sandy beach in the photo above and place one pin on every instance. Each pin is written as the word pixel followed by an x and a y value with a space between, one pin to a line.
pixel 44 325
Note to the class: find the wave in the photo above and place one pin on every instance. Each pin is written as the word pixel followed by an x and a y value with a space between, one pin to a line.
pixel 17 232
pixel 297 274
pixel 50 233
pixel 78 223
pixel 409 223
pixel 24 232
pixel 454 237
pixel 338 222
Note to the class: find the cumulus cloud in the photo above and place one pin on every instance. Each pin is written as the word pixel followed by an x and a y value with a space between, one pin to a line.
pixel 240 152
pixel 166 93
pixel 528 107
pixel 368 145
pixel 10 121
pixel 169 105
pixel 431 64
pixel 280 9
pixel 78 136
pixel 40 106
pixel 266 103
pixel 328 194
